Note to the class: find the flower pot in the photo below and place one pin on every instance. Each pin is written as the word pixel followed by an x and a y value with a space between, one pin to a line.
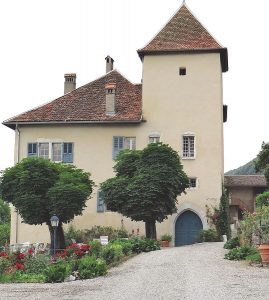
pixel 264 252
pixel 165 243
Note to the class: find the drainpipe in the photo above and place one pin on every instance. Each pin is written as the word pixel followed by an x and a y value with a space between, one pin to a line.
pixel 17 160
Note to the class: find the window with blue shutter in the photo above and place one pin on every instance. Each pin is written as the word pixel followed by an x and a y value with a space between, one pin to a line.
pixel 68 152
pixel 100 202
pixel 32 149
pixel 117 145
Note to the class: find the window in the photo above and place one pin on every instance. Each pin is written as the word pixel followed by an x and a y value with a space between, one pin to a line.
pixel 43 150
pixel 182 71
pixel 188 146
pixel 192 183
pixel 154 139
pixel 100 202
pixel 68 152
pixel 32 149
pixel 121 143
pixel 54 151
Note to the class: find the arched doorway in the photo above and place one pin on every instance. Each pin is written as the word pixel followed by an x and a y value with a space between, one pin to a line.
pixel 187 227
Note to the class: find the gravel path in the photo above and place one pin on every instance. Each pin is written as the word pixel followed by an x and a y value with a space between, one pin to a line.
pixel 191 272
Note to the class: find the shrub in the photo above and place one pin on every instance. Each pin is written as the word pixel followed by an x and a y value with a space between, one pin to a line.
pixel 144 245
pixel 254 258
pixel 209 235
pixel 36 265
pixel 112 253
pixel 240 253
pixel 4 234
pixel 72 234
pixel 232 243
pixel 95 248
pixel 125 244
pixel 4 264
pixel 90 267
pixel 57 272
pixel 166 237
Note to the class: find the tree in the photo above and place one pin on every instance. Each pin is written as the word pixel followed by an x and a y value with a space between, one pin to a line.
pixel 146 185
pixel 4 212
pixel 39 188
pixel 223 221
pixel 262 160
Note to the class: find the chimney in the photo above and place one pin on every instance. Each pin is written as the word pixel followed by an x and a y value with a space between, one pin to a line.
pixel 70 82
pixel 109 63
pixel 110 98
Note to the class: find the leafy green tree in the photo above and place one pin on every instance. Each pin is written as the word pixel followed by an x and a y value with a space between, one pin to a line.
pixel 39 188
pixel 4 212
pixel 146 185
pixel 262 160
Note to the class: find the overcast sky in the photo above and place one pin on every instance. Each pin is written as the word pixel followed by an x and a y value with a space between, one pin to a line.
pixel 42 40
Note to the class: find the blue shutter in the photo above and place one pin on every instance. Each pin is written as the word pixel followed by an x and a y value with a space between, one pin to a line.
pixel 117 145
pixel 100 202
pixel 32 149
pixel 68 152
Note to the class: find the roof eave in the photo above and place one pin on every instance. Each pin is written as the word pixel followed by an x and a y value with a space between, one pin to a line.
pixel 223 54
pixel 12 125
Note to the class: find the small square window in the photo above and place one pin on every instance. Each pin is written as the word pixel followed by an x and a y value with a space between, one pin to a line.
pixel 192 183
pixel 182 71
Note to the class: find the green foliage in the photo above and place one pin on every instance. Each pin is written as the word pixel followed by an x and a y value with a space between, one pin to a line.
pixel 125 244
pixel 263 199
pixel 144 245
pixel 36 264
pixel 96 248
pixel 223 220
pixel 90 267
pixel 209 235
pixel 112 253
pixel 39 188
pixel 4 212
pixel 166 237
pixel 4 264
pixel 57 272
pixel 4 234
pixel 232 243
pixel 147 183
pixel 262 160
pixel 240 253
pixel 254 258
pixel 21 277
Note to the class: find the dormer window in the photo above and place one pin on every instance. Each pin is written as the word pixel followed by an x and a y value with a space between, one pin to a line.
pixel 110 98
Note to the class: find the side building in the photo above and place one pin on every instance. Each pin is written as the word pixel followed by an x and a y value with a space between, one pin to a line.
pixel 179 103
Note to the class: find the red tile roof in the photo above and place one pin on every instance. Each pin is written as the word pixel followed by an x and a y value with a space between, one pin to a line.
pixel 245 180
pixel 183 33
pixel 88 104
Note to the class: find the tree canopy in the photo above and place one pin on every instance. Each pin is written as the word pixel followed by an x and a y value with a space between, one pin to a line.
pixel 39 188
pixel 146 185
pixel 262 160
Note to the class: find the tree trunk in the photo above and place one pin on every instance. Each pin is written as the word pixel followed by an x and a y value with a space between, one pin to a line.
pixel 151 230
pixel 60 240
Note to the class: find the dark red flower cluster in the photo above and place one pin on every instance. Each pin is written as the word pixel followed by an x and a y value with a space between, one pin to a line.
pixel 74 250
pixel 3 254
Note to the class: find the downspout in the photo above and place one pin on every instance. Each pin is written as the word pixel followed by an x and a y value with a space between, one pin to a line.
pixel 17 160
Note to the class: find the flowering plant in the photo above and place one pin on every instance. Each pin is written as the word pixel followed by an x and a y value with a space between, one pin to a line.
pixel 74 250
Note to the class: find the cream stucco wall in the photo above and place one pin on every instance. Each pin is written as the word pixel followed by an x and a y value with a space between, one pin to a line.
pixel 172 105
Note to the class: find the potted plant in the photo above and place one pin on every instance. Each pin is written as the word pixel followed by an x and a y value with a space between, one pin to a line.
pixel 165 240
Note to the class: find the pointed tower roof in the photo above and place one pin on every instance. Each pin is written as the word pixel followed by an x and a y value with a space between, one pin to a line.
pixel 184 33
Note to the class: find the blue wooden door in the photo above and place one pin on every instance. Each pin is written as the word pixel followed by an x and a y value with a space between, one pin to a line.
pixel 187 228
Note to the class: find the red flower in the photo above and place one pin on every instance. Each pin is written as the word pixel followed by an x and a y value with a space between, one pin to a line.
pixel 19 266
pixel 3 254
pixel 20 256
pixel 84 247
pixel 30 251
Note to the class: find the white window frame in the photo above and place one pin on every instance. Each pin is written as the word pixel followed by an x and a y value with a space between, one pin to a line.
pixel 155 137
pixel 189 135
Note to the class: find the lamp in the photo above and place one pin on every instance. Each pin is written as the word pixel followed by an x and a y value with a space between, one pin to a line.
pixel 54 221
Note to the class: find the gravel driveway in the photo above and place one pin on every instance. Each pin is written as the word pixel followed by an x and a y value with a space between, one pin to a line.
pixel 191 272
